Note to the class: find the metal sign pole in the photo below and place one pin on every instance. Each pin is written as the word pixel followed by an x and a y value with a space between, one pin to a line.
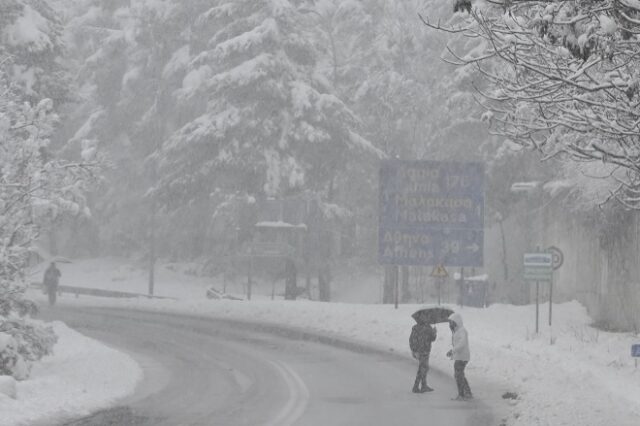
pixel 537 304
pixel 396 277
pixel 249 277
pixel 538 267
pixel 462 288
pixel 550 300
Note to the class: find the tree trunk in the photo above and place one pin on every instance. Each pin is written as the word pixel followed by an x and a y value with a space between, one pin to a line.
pixel 505 265
pixel 53 241
pixel 324 283
pixel 308 278
pixel 291 280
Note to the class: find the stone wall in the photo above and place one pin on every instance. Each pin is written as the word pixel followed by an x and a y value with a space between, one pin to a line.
pixel 601 259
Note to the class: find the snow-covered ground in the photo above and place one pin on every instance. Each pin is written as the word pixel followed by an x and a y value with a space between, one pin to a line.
pixel 82 376
pixel 570 374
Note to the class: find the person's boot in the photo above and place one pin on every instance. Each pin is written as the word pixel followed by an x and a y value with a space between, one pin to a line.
pixel 416 386
pixel 424 387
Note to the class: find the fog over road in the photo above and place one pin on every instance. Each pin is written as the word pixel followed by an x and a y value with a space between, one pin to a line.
pixel 208 372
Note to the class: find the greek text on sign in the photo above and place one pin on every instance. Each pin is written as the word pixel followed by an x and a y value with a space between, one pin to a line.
pixel 431 213
pixel 538 259
pixel 538 266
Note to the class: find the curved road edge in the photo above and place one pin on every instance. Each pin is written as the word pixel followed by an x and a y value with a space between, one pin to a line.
pixel 298 392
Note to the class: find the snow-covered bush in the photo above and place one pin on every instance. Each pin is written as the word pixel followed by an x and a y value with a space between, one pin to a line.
pixel 22 342
pixel 11 362
pixel 34 339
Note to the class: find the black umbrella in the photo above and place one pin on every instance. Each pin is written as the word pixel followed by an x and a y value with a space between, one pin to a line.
pixel 432 315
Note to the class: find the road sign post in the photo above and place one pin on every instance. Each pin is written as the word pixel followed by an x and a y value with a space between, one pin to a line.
pixel 538 267
pixel 396 286
pixel 440 273
pixel 537 305
pixel 461 287
pixel 550 300
pixel 557 259
pixel 635 353
pixel 431 213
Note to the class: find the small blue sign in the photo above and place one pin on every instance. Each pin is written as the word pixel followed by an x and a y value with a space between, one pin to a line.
pixel 431 213
pixel 635 351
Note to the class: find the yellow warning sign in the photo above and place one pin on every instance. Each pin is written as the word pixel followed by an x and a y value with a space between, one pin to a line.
pixel 439 272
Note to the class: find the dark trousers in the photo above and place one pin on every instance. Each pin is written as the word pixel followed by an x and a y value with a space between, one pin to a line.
pixel 52 292
pixel 461 381
pixel 423 368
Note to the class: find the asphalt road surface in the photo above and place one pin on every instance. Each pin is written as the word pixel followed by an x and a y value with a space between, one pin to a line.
pixel 208 372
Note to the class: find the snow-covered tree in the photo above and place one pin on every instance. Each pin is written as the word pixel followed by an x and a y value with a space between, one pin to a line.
pixel 562 77
pixel 31 34
pixel 36 186
pixel 268 122
pixel 34 189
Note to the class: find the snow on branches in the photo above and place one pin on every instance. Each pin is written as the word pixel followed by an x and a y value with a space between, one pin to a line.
pixel 35 188
pixel 269 121
pixel 562 77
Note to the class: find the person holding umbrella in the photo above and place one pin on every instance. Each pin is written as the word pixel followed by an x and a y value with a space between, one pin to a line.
pixel 422 335
pixel 460 354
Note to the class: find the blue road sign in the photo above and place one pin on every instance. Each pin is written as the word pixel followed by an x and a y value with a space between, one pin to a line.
pixel 431 213
pixel 635 351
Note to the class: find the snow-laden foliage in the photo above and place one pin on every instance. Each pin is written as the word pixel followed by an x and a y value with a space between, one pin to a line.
pixel 31 34
pixel 562 77
pixel 191 97
pixel 35 189
pixel 268 122
pixel 11 362
pixel 265 98
pixel 23 342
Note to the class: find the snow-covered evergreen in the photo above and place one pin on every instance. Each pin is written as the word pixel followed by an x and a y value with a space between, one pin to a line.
pixel 268 124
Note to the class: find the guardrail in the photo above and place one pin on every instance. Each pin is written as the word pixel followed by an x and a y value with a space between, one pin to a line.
pixel 100 292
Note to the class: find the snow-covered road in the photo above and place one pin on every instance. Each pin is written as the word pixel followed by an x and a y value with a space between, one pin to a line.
pixel 567 374
pixel 205 372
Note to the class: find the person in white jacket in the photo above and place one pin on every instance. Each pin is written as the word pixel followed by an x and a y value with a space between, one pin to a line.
pixel 460 355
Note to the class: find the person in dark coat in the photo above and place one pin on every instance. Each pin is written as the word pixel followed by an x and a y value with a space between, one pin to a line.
pixel 51 280
pixel 422 335
pixel 460 354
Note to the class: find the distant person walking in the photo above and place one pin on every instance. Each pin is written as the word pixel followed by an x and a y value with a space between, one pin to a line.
pixel 51 280
pixel 422 335
pixel 461 355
